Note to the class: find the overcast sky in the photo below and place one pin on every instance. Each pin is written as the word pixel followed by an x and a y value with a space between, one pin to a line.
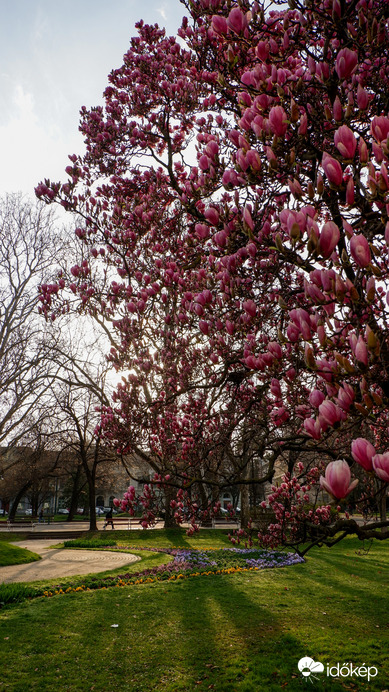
pixel 55 58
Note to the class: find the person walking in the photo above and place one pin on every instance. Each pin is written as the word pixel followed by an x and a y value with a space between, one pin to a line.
pixel 109 519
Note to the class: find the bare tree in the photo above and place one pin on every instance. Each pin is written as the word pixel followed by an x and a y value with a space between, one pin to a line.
pixel 28 469
pixel 79 391
pixel 29 246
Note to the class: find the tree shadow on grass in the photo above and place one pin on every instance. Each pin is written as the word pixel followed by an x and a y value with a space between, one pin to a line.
pixel 353 577
pixel 225 631
pixel 232 641
pixel 154 538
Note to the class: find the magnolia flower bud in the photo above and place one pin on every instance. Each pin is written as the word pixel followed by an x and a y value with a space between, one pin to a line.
pixel 329 238
pixel 363 452
pixel 360 251
pixel 346 63
pixel 381 466
pixel 278 121
pixel 345 142
pixel 332 169
pixel 337 479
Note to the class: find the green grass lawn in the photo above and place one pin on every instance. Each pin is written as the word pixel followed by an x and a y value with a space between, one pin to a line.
pixel 13 555
pixel 241 632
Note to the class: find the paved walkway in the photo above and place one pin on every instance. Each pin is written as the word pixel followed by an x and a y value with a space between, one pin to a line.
pixel 57 563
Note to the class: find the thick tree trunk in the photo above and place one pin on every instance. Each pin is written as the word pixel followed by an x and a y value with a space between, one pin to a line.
pixel 244 505
pixel 16 501
pixel 92 505
pixel 169 522
pixel 75 494
pixel 383 513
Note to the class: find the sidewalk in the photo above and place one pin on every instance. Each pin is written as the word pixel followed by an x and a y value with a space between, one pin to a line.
pixel 52 527
pixel 70 526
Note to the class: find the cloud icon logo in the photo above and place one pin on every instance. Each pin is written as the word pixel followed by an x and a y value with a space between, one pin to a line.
pixel 307 666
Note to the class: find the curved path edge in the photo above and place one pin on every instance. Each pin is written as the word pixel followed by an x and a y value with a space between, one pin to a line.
pixel 62 562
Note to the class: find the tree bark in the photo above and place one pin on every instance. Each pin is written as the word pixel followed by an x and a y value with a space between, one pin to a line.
pixel 169 522
pixel 75 494
pixel 383 513
pixel 16 501
pixel 244 505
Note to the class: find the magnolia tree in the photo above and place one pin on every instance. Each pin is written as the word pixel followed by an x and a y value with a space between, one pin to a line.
pixel 234 205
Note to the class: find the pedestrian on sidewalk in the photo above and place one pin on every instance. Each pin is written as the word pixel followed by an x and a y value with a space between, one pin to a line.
pixel 108 519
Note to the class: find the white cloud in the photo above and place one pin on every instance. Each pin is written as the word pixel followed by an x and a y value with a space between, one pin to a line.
pixel 31 149
pixel 54 61
pixel 162 12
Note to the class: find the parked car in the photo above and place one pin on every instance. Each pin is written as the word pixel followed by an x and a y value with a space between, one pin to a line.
pixel 63 511
pixel 104 510
pixel 28 512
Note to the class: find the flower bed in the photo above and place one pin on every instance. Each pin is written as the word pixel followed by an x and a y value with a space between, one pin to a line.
pixel 186 563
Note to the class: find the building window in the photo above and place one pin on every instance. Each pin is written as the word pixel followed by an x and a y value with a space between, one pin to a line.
pixel 100 501
pixel 227 500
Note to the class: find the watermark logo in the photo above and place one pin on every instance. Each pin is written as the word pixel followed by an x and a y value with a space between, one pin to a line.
pixel 308 668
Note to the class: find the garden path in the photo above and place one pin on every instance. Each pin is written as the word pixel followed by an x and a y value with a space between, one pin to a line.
pixel 58 562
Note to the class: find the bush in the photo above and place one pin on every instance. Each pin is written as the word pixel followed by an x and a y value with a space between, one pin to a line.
pixel 96 542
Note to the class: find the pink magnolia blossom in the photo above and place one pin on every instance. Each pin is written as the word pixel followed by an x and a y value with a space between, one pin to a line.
pixel 337 110
pixel 250 307
pixel 345 142
pixel 360 251
pixel 204 327
pixel 275 349
pixel 316 398
pixel 313 428
pixel 380 128
pixel 363 151
pixel 337 479
pixel 345 397
pixel 212 215
pixel 202 230
pixel 346 63
pixel 360 351
pixel 278 121
pixel 275 387
pixel 204 162
pixel 230 327
pixel 247 218
pixel 254 160
pixel 330 412
pixel 350 191
pixel 363 98
pixel 219 24
pixel 301 320
pixel 237 20
pixel 329 238
pixel 303 124
pixel 363 452
pixel 332 169
pixel 381 466
pixel 221 238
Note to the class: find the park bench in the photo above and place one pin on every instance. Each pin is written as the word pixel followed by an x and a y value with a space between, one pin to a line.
pixel 126 522
pixel 222 521
pixel 24 522
pixel 21 524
